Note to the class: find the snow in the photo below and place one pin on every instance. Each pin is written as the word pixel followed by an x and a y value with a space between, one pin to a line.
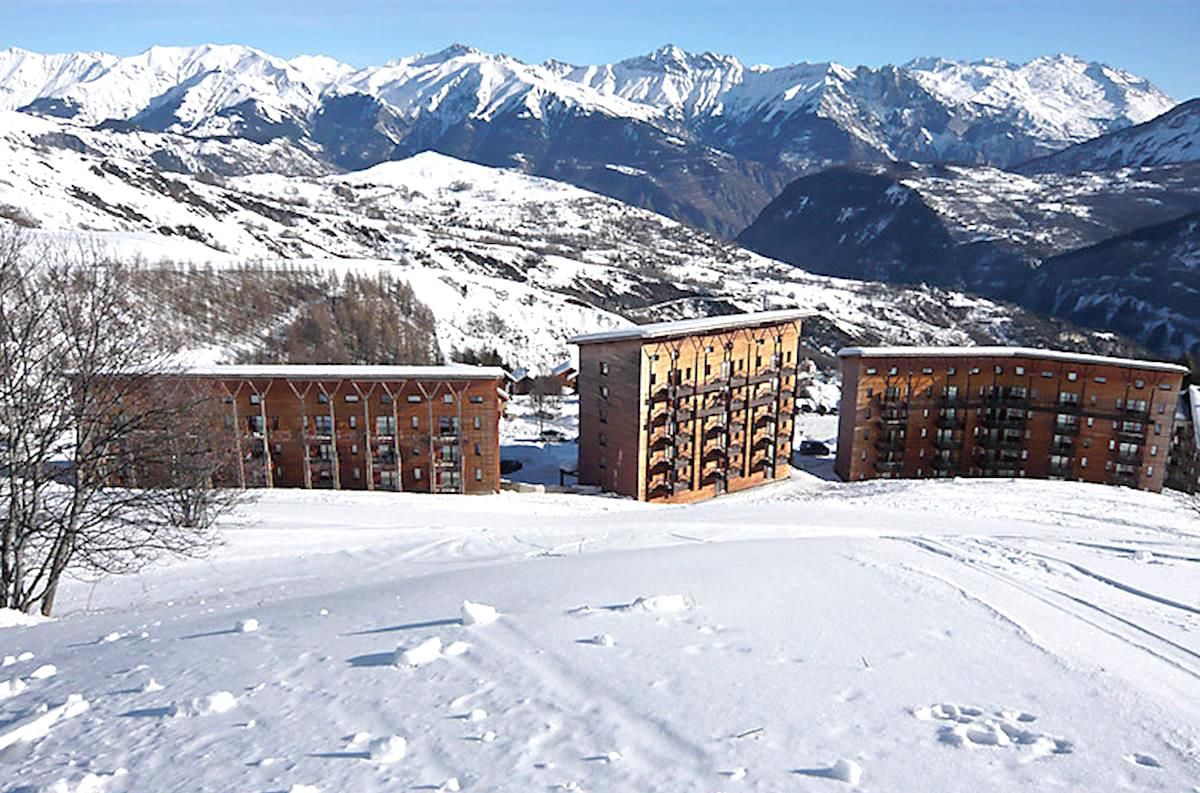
pixel 425 652
pixel 1006 352
pixel 246 626
pixel 215 703
pixel 387 749
pixel 478 613
pixel 309 371
pixel 935 636
pixel 655 330
pixel 11 618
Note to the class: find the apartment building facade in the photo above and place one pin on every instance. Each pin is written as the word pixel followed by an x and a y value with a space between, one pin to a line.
pixel 1015 412
pixel 432 429
pixel 1183 473
pixel 688 410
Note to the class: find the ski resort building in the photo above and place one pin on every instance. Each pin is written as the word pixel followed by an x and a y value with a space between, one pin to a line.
pixel 682 411
pixel 1183 473
pixel 1005 412
pixel 431 429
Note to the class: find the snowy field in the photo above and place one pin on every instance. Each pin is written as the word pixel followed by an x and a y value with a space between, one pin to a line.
pixel 804 636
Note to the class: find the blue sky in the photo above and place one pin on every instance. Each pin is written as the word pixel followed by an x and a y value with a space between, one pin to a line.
pixel 1155 39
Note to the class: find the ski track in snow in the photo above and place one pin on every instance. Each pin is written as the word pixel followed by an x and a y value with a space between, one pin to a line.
pixel 775 639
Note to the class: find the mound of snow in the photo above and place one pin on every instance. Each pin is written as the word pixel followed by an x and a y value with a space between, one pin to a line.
pixel 10 688
pixel 152 685
pixel 11 618
pixel 478 614
pixel 41 721
pixel 845 771
pixel 44 671
pixel 659 604
pixel 388 749
pixel 426 652
pixel 299 788
pixel 246 626
pixel 218 702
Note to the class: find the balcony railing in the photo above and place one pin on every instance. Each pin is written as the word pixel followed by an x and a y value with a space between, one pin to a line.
pixel 1066 429
pixel 1000 420
pixel 951 422
pixel 889 466
pixel 947 442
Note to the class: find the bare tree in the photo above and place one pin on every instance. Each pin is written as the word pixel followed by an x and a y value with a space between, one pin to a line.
pixel 107 463
pixel 544 394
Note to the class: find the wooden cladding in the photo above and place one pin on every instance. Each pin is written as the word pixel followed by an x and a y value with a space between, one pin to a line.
pixel 680 418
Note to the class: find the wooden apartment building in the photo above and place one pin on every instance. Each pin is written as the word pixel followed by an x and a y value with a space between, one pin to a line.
pixel 432 429
pixel 681 411
pixel 1183 473
pixel 1005 412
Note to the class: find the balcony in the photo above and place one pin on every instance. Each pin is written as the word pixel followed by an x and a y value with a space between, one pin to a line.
pixel 893 416
pixel 995 466
pixel 889 466
pixel 758 402
pixel 891 443
pixel 999 442
pixel 1134 436
pixel 947 442
pixel 1004 398
pixel 1126 479
pixel 1134 411
pixel 1127 457
pixel 946 463
pixel 1064 446
pixel 1061 471
pixel 999 420
pixel 1068 407
pixel 1061 428
pixel 951 422
pixel 957 400
pixel 763 419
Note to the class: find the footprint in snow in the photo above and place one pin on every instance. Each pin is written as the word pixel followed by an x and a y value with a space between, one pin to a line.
pixel 1144 760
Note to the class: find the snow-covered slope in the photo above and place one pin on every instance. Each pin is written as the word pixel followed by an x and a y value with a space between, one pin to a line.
pixel 1173 137
pixel 887 636
pixel 505 260
pixel 699 137
pixel 975 227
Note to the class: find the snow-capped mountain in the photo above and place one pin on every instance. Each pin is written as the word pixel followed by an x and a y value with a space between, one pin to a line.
pixel 1172 137
pixel 702 137
pixel 505 260
pixel 974 227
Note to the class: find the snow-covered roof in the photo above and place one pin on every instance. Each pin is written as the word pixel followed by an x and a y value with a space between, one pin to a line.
pixel 563 368
pixel 1006 352
pixel 687 327
pixel 346 372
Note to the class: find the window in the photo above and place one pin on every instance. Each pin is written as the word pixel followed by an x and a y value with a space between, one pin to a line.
pixel 1083 462
pixel 1100 379
pixel 357 473
pixel 351 397
pixel 385 399
pixel 448 399
pixel 872 370
pixel 478 474
pixel 974 370
pixel 1020 370
pixel 1154 450
pixel 255 399
pixel 417 474
pixel 1072 376
pixel 999 370
pixel 416 423
pixel 323 398
pixel 603 439
pixel 1149 470
pixel 952 370
pixel 477 451
pixel 352 420
pixel 354 448
pixel 604 391
pixel 477 422
pixel 414 398
pixel 476 400
pixel 894 370
pixel 385 425
pixel 927 370
pixel 604 367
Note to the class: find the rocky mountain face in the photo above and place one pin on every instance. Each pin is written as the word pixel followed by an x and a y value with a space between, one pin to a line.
pixel 506 262
pixel 702 138
pixel 1097 233
pixel 1145 284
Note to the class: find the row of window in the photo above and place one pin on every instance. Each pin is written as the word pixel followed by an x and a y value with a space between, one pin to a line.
pixel 384 425
pixel 384 399
pixel 1018 370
